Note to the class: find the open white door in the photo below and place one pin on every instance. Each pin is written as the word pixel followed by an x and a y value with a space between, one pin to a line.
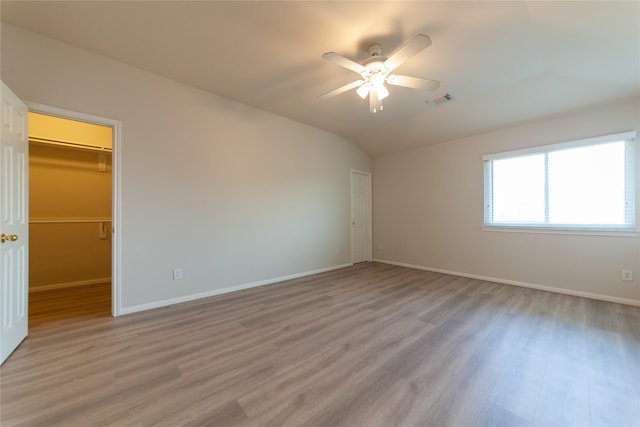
pixel 14 223
pixel 360 216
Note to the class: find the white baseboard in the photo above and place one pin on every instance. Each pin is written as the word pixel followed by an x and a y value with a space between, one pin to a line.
pixel 186 298
pixel 69 284
pixel 518 283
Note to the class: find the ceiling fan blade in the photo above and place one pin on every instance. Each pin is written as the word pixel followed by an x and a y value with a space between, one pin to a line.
pixel 413 46
pixel 342 89
pixel 413 82
pixel 343 62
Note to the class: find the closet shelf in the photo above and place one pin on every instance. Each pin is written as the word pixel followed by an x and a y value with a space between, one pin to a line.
pixel 68 220
pixel 67 144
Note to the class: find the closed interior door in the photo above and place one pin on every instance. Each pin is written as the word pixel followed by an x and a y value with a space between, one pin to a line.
pixel 14 223
pixel 360 216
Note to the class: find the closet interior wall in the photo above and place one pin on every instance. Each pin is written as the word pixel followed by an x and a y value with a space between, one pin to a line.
pixel 70 216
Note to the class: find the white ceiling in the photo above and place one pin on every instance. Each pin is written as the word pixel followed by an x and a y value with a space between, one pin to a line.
pixel 504 62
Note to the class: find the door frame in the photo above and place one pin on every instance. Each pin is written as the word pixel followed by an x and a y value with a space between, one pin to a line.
pixel 116 203
pixel 368 204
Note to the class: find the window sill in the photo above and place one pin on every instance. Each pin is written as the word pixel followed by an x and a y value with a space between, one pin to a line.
pixel 564 231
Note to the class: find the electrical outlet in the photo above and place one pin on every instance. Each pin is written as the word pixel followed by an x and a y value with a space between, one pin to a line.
pixel 627 275
pixel 177 273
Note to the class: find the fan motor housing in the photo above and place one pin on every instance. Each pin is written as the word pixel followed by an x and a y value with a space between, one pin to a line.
pixel 375 50
pixel 374 59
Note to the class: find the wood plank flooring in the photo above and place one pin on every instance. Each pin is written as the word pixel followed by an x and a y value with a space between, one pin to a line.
pixel 371 345
pixel 69 304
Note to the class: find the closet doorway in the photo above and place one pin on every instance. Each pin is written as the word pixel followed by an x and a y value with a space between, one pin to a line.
pixel 70 219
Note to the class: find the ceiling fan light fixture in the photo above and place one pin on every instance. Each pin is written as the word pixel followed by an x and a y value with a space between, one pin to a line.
pixel 377 79
pixel 381 91
pixel 375 104
pixel 363 90
pixel 375 72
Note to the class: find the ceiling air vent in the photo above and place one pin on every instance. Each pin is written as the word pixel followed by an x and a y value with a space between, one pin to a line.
pixel 442 99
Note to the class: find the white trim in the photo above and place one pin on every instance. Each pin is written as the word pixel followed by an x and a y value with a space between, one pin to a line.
pixel 64 285
pixel 624 136
pixel 116 161
pixel 69 114
pixel 565 231
pixel 116 224
pixel 186 298
pixel 589 295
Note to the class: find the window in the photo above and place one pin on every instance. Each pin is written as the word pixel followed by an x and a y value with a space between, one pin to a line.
pixel 587 184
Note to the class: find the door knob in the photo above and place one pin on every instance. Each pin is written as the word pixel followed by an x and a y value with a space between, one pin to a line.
pixel 8 237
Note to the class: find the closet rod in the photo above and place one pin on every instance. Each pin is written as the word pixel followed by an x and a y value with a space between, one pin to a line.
pixel 67 144
pixel 68 221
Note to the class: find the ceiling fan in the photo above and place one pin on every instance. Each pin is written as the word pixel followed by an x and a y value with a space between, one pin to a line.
pixel 376 70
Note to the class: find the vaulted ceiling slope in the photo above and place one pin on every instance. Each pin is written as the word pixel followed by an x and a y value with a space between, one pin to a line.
pixel 504 62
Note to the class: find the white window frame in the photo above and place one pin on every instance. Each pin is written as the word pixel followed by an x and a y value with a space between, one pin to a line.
pixel 630 164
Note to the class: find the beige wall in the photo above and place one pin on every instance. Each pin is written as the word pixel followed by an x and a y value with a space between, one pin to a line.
pixel 65 184
pixel 232 194
pixel 428 212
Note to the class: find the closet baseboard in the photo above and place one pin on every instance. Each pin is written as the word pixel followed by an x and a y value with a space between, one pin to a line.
pixel 69 284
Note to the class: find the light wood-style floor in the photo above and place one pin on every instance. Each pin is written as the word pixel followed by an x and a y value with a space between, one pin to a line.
pixel 371 345
pixel 69 304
